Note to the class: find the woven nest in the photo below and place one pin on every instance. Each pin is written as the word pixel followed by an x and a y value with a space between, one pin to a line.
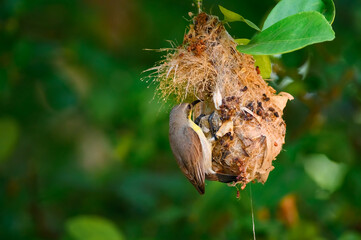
pixel 247 119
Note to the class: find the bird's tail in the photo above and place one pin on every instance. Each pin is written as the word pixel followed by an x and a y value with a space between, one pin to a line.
pixel 221 177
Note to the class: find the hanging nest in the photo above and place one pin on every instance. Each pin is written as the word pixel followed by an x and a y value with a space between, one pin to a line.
pixel 247 113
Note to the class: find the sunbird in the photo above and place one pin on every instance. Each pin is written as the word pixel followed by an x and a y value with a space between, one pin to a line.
pixel 192 149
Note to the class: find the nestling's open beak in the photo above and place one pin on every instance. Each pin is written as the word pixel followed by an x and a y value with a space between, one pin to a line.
pixel 195 102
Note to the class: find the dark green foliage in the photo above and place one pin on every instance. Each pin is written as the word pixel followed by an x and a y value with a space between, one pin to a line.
pixel 84 145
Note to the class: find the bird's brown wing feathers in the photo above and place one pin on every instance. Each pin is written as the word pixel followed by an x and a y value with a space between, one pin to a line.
pixel 189 157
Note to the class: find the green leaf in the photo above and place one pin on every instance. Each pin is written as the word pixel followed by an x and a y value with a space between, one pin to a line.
pixel 230 16
pixel 242 41
pixel 92 228
pixel 287 8
pixel 9 133
pixel 262 61
pixel 290 34
pixel 327 174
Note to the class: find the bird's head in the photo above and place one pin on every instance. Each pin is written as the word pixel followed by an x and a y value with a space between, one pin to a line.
pixel 183 109
pixel 190 107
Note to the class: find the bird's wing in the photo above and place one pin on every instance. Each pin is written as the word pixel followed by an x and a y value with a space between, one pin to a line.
pixel 191 159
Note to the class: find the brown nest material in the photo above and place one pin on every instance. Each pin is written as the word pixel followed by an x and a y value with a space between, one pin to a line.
pixel 248 113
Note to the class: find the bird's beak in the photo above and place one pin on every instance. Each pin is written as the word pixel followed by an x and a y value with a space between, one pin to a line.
pixel 195 102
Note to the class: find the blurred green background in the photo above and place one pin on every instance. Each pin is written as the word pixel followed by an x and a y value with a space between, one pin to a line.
pixel 84 150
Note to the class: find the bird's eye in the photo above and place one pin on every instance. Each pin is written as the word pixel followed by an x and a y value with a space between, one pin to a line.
pixel 189 106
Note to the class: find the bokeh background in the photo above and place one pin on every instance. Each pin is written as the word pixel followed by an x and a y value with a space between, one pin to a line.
pixel 84 150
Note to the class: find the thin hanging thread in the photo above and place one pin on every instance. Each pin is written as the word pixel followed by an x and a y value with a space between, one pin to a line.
pixel 253 225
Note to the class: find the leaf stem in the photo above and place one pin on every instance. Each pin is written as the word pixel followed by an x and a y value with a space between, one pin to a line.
pixel 199 4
